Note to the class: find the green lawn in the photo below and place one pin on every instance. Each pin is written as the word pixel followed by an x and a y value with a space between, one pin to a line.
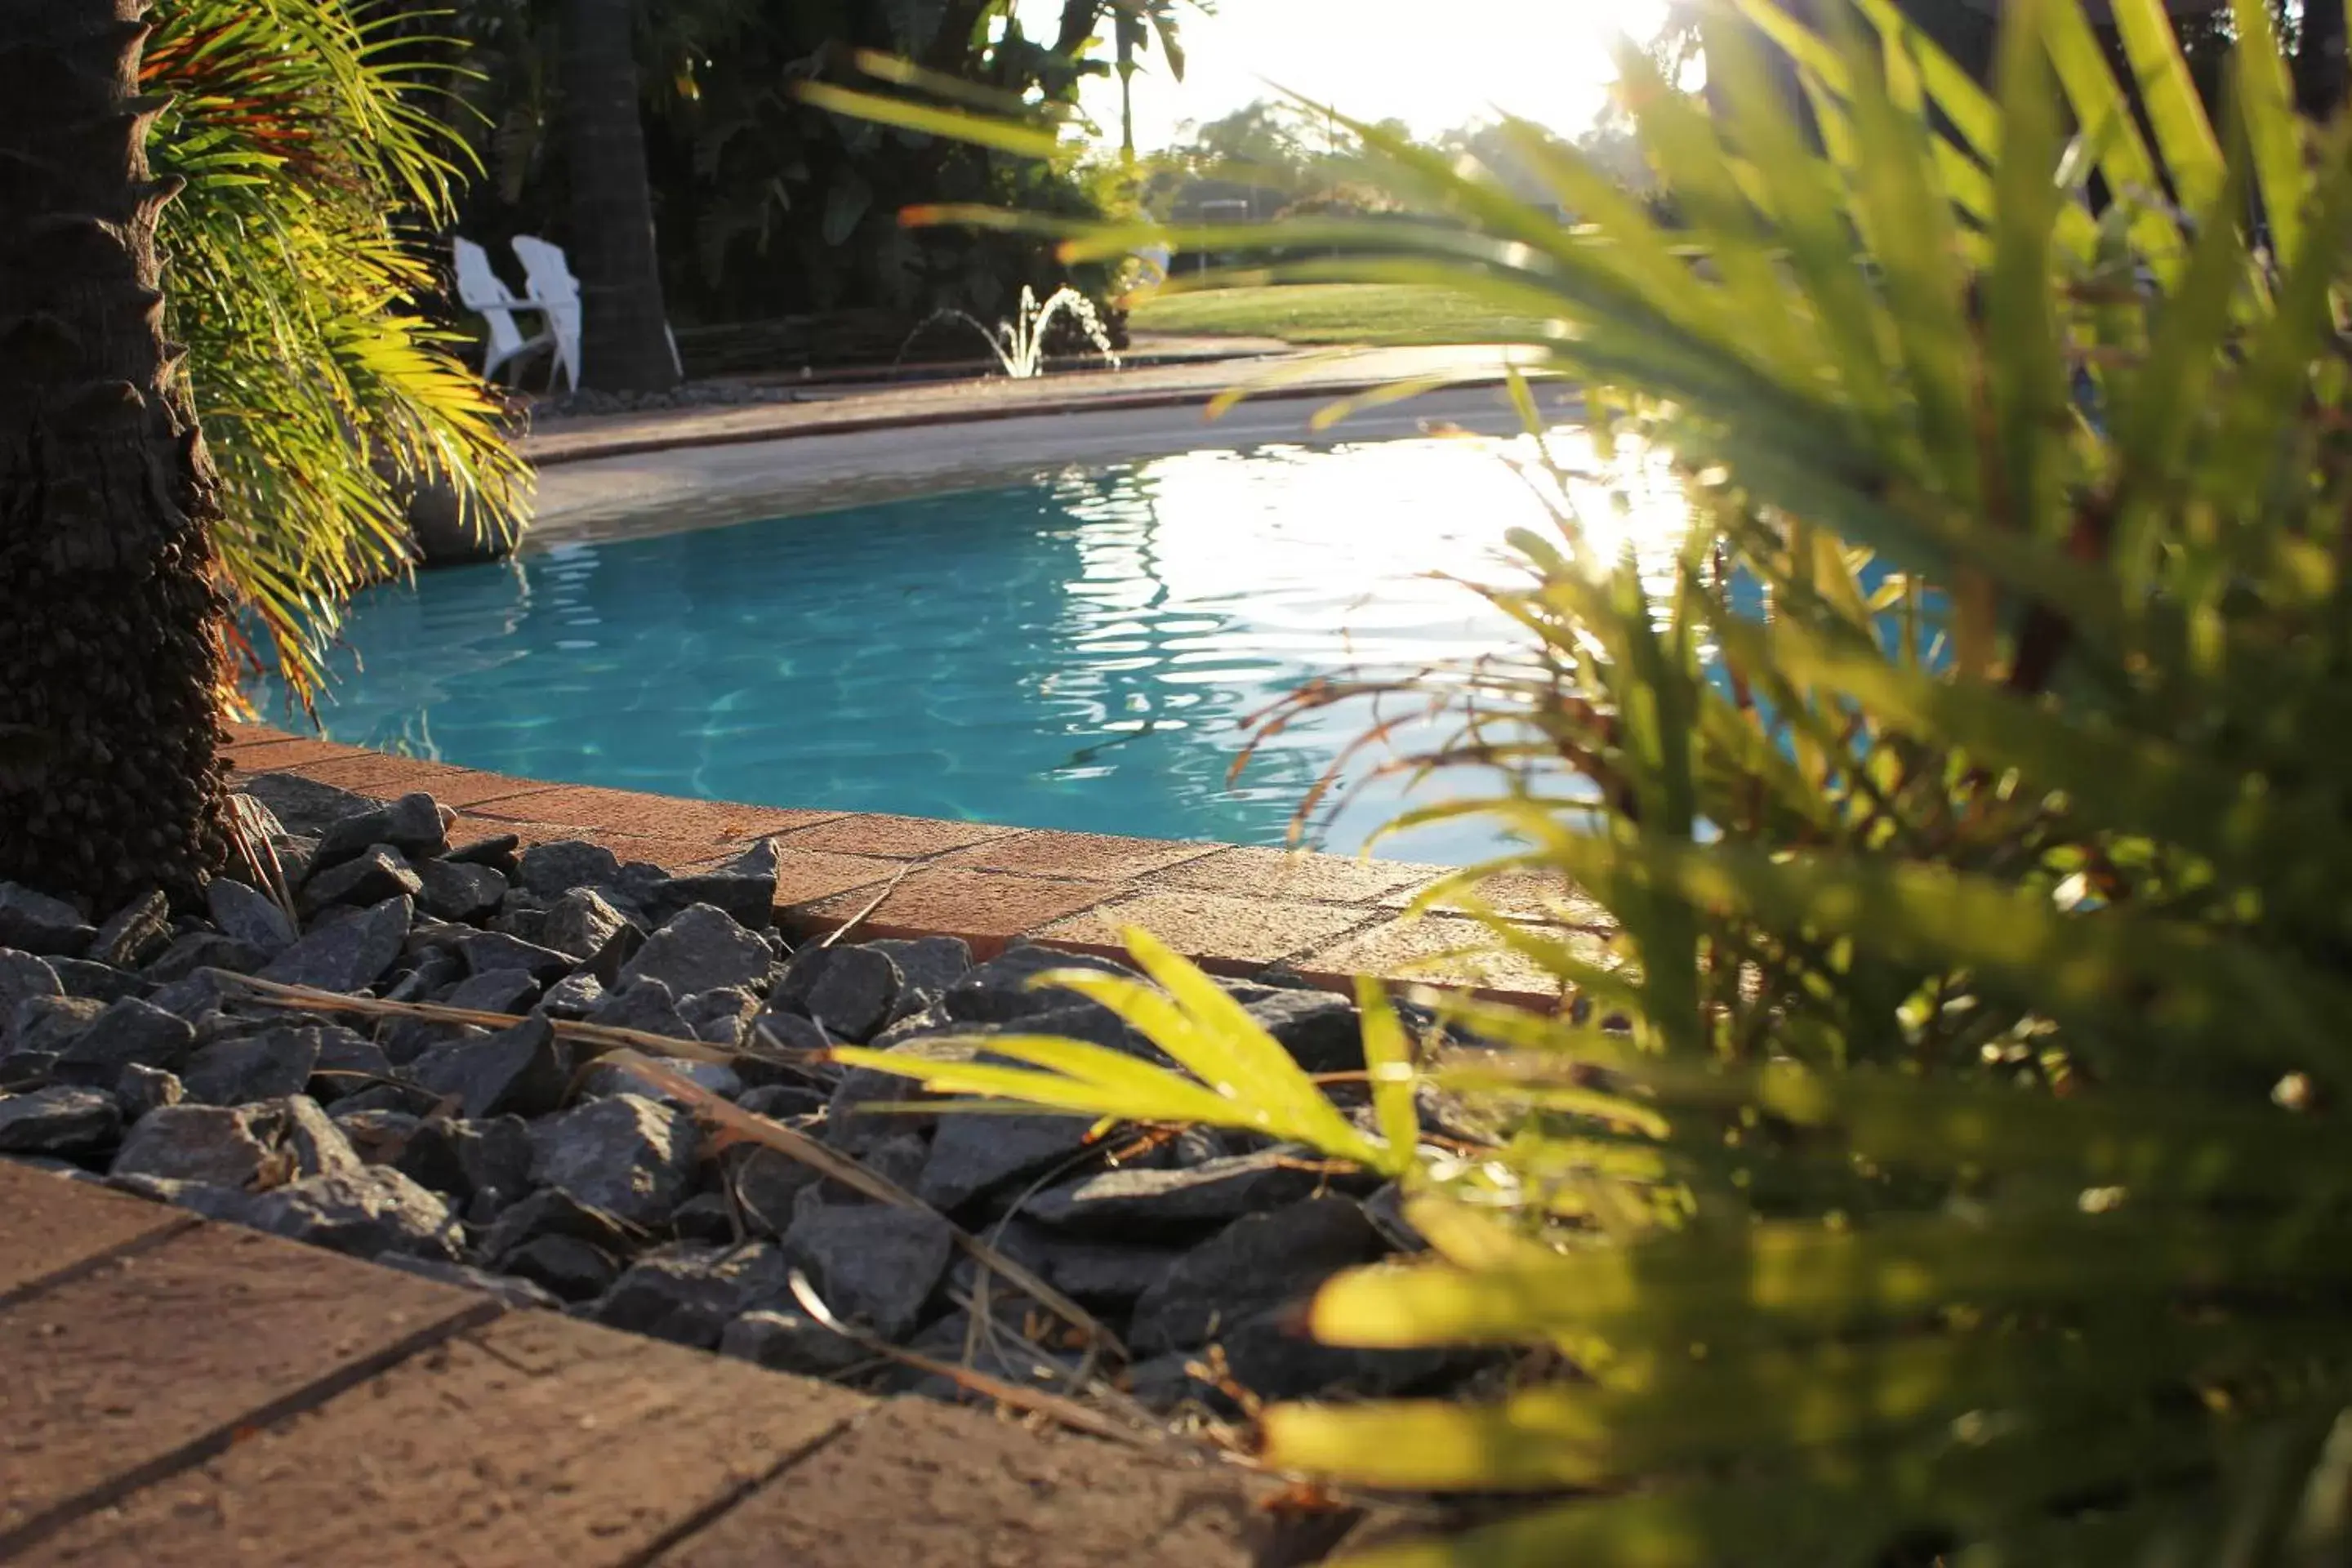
pixel 1329 313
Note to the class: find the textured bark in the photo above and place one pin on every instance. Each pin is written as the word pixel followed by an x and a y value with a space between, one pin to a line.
pixel 625 345
pixel 111 615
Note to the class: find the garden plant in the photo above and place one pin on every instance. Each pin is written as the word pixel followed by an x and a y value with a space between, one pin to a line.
pixel 1943 1161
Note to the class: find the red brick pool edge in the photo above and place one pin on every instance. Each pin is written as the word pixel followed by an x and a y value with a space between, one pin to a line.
pixel 1234 910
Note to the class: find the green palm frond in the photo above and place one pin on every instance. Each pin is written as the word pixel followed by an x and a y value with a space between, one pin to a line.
pixel 326 393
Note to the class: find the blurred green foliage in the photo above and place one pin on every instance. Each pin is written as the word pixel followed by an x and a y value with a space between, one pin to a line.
pixel 1944 1163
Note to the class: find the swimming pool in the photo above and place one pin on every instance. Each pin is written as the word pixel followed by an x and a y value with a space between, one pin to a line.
pixel 1078 651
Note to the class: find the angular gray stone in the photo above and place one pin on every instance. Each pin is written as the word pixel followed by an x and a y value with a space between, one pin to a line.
pixel 628 1155
pixel 850 1127
pixel 202 950
pixel 63 1120
pixel 701 949
pixel 132 932
pixel 998 991
pixel 267 1066
pixel 377 873
pixel 768 1183
pixel 37 923
pixel 580 923
pixel 305 805
pixel 552 1212
pixel 467 1160
pixel 22 975
pixel 501 852
pixel 312 1140
pixel 508 990
pixel 1320 1029
pixel 610 1078
pixel 411 825
pixel 435 970
pixel 378 1134
pixel 97 981
pixel 784 1341
pixel 486 953
pixel 125 1032
pixel 551 871
pixel 249 915
pixel 195 996
pixel 459 889
pixel 691 1295
pixel 365 1213
pixel 783 1101
pixel 141 1089
pixel 216 1145
pixel 927 967
pixel 574 997
pixel 721 1018
pixel 347 957
pixel 524 1070
pixel 50 1022
pixel 1257 1264
pixel 564 1265
pixel 348 1062
pixel 977 1156
pixel 1128 1202
pixel 849 990
pixel 514 1290
pixel 870 1264
pixel 745 887
pixel 1104 1273
pixel 24 1072
pixel 646 1006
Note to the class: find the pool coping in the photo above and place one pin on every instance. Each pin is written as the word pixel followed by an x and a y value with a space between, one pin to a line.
pixel 1235 911
pixel 1301 373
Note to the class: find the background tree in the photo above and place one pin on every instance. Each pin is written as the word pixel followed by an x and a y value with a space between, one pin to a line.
pixel 111 602
pixel 625 341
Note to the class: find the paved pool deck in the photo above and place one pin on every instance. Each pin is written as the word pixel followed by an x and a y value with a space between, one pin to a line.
pixel 1234 910
pixel 177 1394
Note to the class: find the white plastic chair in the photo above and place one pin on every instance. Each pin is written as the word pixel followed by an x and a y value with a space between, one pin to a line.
pixel 554 289
pixel 482 291
pixel 551 281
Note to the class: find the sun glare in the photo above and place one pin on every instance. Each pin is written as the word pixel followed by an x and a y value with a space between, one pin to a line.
pixel 1432 67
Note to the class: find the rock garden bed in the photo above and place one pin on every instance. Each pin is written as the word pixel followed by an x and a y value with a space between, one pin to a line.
pixel 442 1058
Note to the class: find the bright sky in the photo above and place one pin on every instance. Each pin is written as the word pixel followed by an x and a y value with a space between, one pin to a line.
pixel 1431 66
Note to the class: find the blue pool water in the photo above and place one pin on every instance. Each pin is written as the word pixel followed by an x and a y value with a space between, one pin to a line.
pixel 1079 652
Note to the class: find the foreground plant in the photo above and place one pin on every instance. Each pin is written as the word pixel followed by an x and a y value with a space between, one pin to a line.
pixel 1968 1183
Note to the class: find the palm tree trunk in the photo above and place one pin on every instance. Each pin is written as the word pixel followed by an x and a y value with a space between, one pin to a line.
pixel 625 345
pixel 112 617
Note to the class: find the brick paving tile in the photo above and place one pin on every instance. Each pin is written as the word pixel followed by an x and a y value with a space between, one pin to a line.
pixel 657 816
pixel 986 908
pixel 1080 856
pixel 676 854
pixel 1229 932
pixel 920 1486
pixel 902 837
pixel 1526 895
pixel 281 752
pixel 536 1439
pixel 53 1224
pixel 149 1358
pixel 1403 948
pixel 1251 871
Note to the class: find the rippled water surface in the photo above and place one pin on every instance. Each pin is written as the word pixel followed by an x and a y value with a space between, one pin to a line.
pixel 1079 652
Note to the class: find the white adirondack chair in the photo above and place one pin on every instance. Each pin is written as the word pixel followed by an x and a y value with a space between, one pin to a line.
pixel 485 293
pixel 557 292
pixel 551 281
